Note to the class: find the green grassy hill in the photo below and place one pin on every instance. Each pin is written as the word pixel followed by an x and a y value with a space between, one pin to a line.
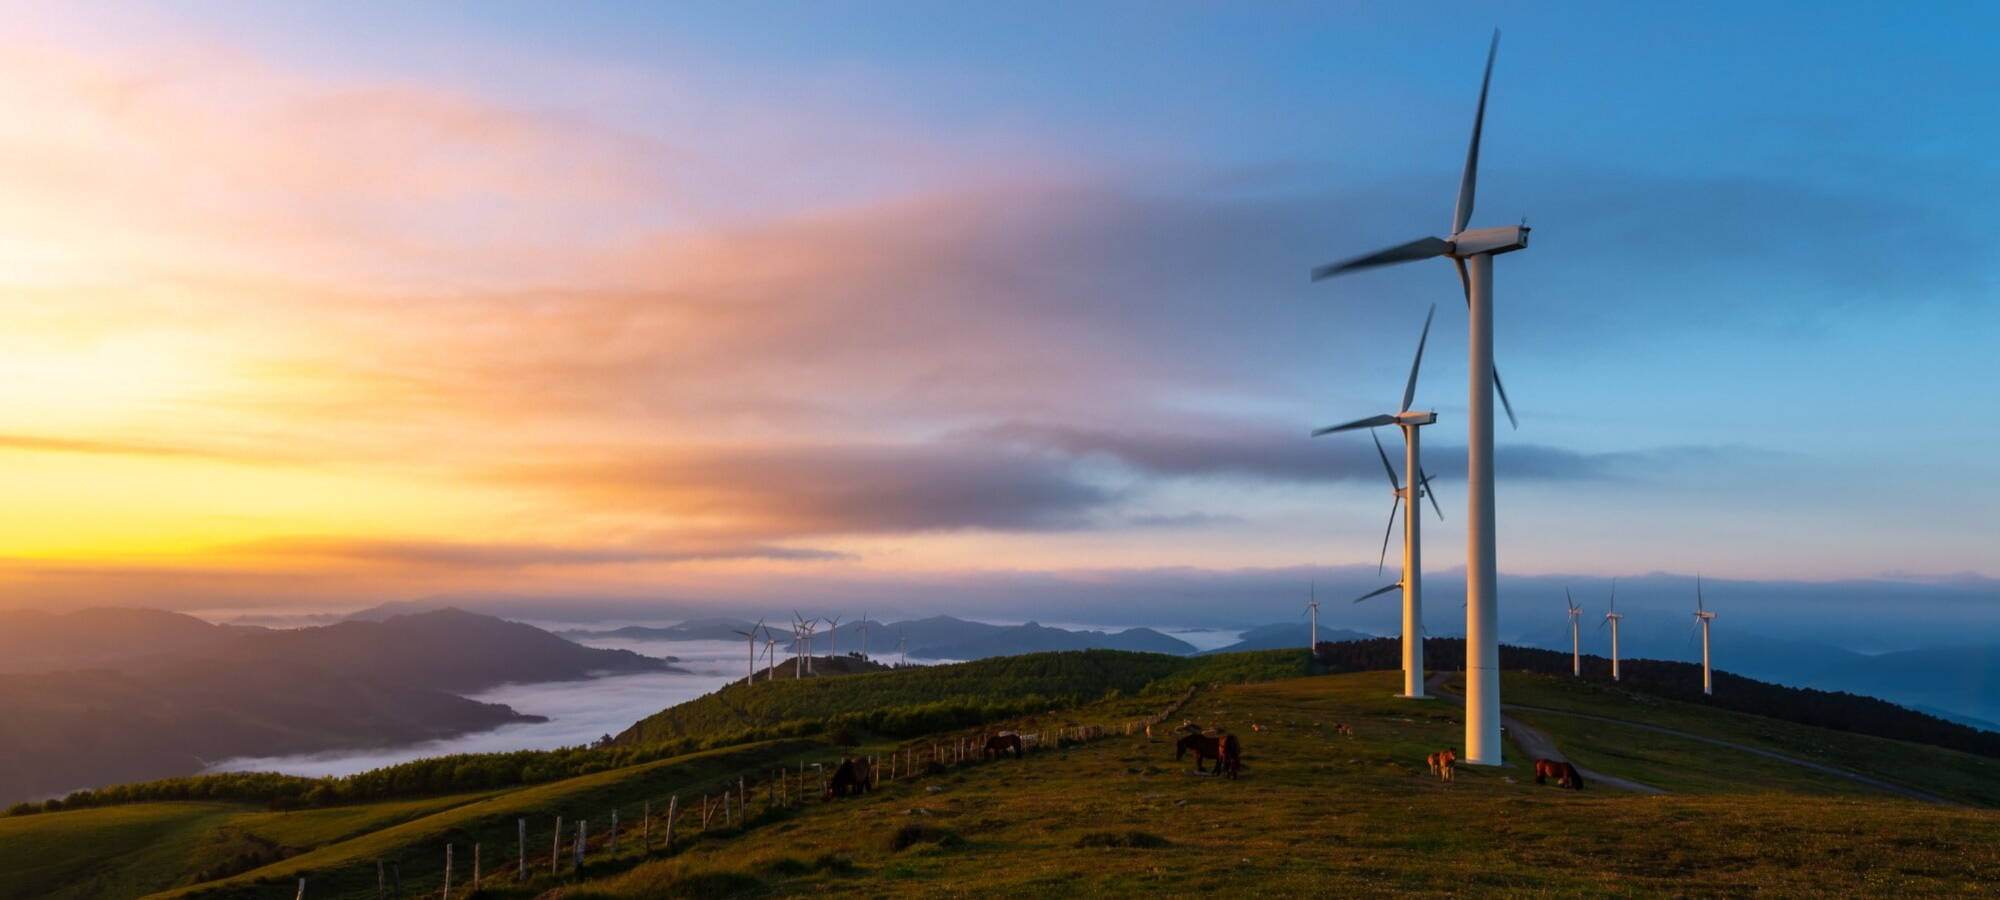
pixel 1314 812
pixel 918 700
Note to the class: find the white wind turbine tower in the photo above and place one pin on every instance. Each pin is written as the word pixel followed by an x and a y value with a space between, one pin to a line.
pixel 1471 252
pixel 1702 617
pixel 1312 606
pixel 864 634
pixel 832 629
pixel 770 655
pixel 806 628
pixel 798 645
pixel 1412 580
pixel 1575 642
pixel 1611 617
pixel 902 647
pixel 752 636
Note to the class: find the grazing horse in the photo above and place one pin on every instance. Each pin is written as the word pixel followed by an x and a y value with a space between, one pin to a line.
pixel 1444 765
pixel 1223 748
pixel 1563 772
pixel 999 744
pixel 850 780
pixel 1343 728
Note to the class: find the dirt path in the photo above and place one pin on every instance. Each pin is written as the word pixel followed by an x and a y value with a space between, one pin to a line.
pixel 1538 745
pixel 1522 732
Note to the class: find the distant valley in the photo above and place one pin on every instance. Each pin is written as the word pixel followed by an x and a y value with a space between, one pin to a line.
pixel 111 695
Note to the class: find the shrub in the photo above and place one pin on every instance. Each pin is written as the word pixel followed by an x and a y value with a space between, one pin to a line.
pixel 917 833
pixel 1141 839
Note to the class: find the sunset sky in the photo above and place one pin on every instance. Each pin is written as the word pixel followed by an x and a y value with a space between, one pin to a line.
pixel 688 299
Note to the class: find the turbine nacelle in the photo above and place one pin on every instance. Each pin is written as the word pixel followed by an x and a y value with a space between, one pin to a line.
pixel 1489 241
pixel 1413 417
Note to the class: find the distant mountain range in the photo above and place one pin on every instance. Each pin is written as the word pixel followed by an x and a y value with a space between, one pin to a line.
pixel 937 637
pixel 112 695
pixel 1287 634
pixel 1960 683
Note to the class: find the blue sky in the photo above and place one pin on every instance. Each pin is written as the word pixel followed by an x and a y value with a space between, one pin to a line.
pixel 1750 337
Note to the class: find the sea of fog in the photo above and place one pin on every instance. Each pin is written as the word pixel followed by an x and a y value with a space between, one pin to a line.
pixel 580 712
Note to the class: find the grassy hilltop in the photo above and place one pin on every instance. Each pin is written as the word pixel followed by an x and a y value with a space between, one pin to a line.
pixel 1314 812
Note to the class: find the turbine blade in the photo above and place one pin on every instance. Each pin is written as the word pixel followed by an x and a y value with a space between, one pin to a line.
pixel 1465 286
pixel 1614 595
pixel 1370 422
pixel 1379 591
pixel 1433 495
pixel 1421 248
pixel 1470 180
pixel 1410 389
pixel 1500 389
pixel 1384 558
pixel 1386 467
pixel 1572 600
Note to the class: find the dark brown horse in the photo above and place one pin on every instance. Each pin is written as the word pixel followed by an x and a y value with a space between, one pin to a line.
pixel 1222 748
pixel 999 744
pixel 852 779
pixel 1562 771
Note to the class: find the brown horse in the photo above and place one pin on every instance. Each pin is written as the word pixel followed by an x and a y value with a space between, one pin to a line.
pixel 1444 765
pixel 999 744
pixel 1223 748
pixel 852 779
pixel 1562 771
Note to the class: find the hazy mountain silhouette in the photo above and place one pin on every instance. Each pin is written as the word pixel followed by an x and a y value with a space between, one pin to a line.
pixel 95 710
pixel 1287 634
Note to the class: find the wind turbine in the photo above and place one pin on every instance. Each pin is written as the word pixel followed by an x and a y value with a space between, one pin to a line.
pixel 1702 617
pixel 1412 580
pixel 1312 606
pixel 902 647
pixel 1611 617
pixel 798 645
pixel 1471 251
pixel 1575 643
pixel 807 627
pixel 752 635
pixel 770 655
pixel 833 628
pixel 864 634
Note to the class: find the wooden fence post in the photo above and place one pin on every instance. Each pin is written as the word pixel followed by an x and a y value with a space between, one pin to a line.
pixel 582 836
pixel 521 841
pixel 742 801
pixel 555 849
pixel 447 872
pixel 614 832
pixel 475 871
pixel 381 880
pixel 646 827
pixel 302 889
pixel 673 809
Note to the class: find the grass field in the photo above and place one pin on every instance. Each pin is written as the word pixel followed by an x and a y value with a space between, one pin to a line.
pixel 1318 813
pixel 1959 776
pixel 1315 812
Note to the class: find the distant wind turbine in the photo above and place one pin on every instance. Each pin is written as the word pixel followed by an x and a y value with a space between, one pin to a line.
pixel 752 636
pixel 1702 617
pixel 1412 581
pixel 1611 617
pixel 832 629
pixel 864 634
pixel 902 647
pixel 1471 252
pixel 770 655
pixel 1312 605
pixel 1575 642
